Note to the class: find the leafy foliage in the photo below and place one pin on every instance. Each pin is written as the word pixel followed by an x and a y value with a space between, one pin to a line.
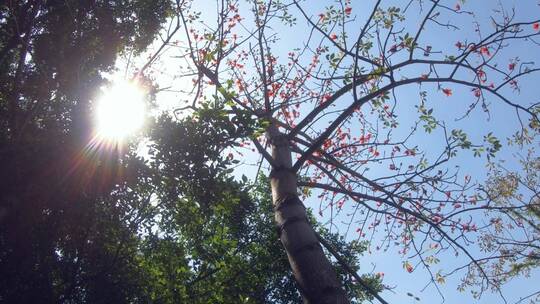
pixel 215 238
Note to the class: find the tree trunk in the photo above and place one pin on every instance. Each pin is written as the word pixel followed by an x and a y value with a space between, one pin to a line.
pixel 316 278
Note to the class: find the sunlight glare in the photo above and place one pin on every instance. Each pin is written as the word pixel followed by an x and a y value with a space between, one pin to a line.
pixel 120 111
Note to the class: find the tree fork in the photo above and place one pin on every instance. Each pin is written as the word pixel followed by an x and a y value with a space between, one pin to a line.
pixel 316 278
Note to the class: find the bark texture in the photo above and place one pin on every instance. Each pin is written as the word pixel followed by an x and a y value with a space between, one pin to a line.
pixel 317 280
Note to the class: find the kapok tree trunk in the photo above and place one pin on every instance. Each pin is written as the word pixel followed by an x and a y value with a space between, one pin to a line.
pixel 316 278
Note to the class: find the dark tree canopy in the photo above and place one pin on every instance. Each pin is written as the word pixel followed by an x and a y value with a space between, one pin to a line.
pixel 56 216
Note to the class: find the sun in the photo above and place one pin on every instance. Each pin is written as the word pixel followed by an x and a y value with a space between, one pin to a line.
pixel 120 111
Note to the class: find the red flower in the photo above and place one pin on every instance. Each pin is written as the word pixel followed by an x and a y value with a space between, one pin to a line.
pixel 511 66
pixel 458 7
pixel 484 50
pixel 333 36
pixel 408 267
pixel 536 26
pixel 326 97
pixel 447 92
pixel 348 10
pixel 481 75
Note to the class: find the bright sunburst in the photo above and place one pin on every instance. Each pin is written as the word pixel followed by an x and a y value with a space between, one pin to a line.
pixel 120 111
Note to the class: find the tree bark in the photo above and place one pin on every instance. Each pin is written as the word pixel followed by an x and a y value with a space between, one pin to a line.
pixel 316 278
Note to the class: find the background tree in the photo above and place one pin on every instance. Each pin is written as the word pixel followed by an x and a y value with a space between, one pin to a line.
pixel 513 236
pixel 330 106
pixel 58 229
